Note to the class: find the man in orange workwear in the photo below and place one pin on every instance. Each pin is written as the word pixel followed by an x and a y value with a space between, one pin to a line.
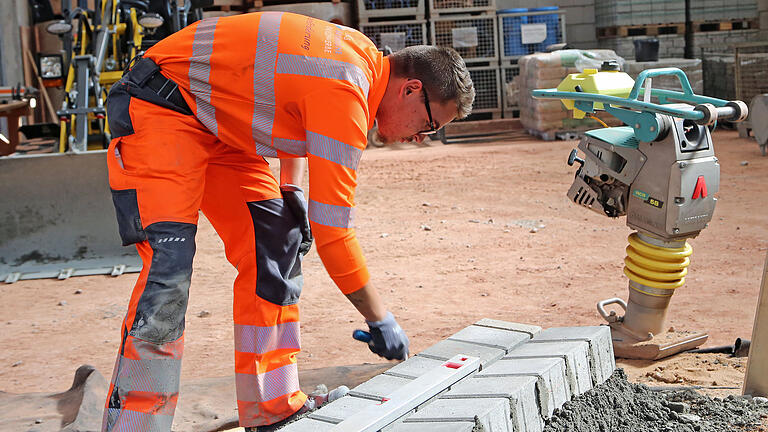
pixel 192 122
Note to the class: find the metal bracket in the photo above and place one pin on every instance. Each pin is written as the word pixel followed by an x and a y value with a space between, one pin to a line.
pixel 12 277
pixel 65 273
pixel 118 270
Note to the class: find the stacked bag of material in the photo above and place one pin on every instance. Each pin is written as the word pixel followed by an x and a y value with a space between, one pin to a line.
pixel 548 118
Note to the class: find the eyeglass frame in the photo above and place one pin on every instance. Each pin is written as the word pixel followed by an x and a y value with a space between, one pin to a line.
pixel 432 125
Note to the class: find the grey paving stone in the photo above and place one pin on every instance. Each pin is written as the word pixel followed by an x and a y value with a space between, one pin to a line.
pixel 552 386
pixel 340 409
pixel 434 427
pixel 379 387
pixel 308 425
pixel 490 414
pixel 520 391
pixel 602 360
pixel 575 353
pixel 414 367
pixel 446 349
pixel 532 330
pixel 492 337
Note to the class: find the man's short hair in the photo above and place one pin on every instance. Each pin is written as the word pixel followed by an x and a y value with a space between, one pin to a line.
pixel 441 70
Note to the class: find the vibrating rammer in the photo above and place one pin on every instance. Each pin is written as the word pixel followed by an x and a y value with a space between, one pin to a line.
pixel 659 170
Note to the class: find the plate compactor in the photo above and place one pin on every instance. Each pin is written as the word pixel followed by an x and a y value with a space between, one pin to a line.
pixel 660 171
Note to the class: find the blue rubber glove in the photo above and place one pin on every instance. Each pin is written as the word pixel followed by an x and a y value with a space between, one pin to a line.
pixel 293 197
pixel 387 339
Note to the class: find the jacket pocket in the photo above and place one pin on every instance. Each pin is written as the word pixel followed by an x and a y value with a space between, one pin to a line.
pixel 128 218
pixel 118 113
pixel 278 262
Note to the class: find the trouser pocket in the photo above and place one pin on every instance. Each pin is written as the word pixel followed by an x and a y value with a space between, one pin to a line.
pixel 128 218
pixel 278 262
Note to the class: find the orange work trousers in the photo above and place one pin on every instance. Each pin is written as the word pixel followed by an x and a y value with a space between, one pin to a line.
pixel 161 174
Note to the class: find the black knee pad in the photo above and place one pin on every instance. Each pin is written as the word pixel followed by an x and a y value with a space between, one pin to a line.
pixel 163 304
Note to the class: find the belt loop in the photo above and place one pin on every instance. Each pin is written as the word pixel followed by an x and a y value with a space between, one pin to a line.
pixel 130 63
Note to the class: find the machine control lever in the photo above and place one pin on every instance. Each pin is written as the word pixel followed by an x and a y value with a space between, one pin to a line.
pixel 573 158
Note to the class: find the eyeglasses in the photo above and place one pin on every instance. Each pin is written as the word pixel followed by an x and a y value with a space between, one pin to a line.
pixel 432 125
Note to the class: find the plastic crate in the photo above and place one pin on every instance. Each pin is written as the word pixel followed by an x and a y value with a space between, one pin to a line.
pixel 510 93
pixel 367 9
pixel 438 7
pixel 487 83
pixel 396 34
pixel 544 27
pixel 474 37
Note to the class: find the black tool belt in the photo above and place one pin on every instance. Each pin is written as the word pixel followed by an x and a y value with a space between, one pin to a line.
pixel 144 81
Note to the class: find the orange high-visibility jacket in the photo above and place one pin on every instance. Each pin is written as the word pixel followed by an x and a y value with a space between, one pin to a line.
pixel 287 85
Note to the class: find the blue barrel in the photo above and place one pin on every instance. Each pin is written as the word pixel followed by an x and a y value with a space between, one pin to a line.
pixel 552 22
pixel 513 43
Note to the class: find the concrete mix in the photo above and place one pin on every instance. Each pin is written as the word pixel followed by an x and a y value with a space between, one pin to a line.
pixel 618 405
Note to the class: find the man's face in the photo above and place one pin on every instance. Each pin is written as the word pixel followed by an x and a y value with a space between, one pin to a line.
pixel 410 115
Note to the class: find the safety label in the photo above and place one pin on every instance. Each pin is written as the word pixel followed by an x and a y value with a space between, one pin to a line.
pixel 647 198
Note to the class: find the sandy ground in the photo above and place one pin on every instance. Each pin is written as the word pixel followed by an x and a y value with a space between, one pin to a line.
pixel 447 231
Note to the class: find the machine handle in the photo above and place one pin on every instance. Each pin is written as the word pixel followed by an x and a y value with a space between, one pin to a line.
pixel 650 73
pixel 573 158
pixel 362 336
pixel 610 317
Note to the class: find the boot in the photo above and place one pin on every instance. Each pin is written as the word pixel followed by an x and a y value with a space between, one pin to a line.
pixel 314 401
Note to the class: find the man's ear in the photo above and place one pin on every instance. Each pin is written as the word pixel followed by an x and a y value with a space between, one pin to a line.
pixel 412 85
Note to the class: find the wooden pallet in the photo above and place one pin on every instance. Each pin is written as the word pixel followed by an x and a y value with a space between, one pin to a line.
pixel 675 28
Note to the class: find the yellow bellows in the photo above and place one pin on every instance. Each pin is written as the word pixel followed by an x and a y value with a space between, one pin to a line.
pixel 656 267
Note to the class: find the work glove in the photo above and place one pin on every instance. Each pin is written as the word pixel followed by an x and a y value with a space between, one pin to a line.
pixel 293 197
pixel 385 338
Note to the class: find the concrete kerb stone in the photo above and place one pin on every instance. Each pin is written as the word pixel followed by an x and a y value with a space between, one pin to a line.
pixel 553 389
pixel 338 410
pixel 435 427
pixel 446 349
pixel 520 391
pixel 532 330
pixel 491 414
pixel 379 387
pixel 491 337
pixel 575 353
pixel 414 367
pixel 308 425
pixel 602 361
pixel 512 393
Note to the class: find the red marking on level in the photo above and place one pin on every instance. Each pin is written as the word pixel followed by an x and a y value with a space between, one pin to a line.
pixel 453 365
pixel 700 191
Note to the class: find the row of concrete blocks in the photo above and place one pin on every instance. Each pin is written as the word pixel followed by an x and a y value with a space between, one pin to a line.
pixel 526 374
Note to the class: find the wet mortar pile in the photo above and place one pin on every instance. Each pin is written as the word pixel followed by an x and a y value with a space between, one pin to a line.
pixel 618 405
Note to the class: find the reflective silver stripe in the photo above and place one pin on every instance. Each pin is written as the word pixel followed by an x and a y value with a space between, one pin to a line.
pixel 260 340
pixel 264 80
pixel 264 150
pixel 333 150
pixel 267 386
pixel 155 375
pixel 294 147
pixel 323 68
pixel 331 215
pixel 134 421
pixel 149 350
pixel 200 71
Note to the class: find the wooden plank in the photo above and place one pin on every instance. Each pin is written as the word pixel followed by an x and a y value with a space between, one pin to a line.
pixel 482 127
pixel 756 378
pixel 228 3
